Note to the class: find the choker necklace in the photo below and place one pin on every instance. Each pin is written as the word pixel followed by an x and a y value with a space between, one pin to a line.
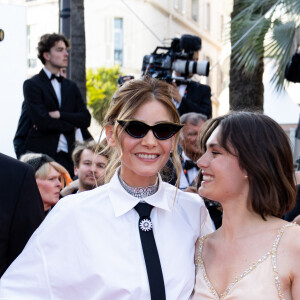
pixel 139 192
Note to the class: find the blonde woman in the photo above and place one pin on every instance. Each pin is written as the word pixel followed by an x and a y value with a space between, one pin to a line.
pixel 50 176
pixel 94 241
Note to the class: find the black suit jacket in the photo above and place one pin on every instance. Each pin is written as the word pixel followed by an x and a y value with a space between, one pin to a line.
pixel 24 126
pixel 21 208
pixel 44 131
pixel 196 99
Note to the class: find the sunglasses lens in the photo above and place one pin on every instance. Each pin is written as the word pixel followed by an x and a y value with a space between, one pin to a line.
pixel 164 131
pixel 136 129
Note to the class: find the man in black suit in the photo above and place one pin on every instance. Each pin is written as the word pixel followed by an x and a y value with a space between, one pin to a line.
pixel 21 208
pixel 191 96
pixel 54 106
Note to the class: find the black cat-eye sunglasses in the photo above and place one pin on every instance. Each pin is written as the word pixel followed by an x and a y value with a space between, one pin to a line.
pixel 138 129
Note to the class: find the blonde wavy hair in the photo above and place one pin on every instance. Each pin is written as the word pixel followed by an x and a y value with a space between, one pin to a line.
pixel 124 105
pixel 43 171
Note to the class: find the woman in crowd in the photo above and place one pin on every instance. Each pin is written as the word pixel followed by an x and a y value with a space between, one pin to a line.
pixel 50 176
pixel 100 244
pixel 247 166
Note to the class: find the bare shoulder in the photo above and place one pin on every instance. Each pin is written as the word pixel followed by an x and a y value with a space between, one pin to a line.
pixel 290 249
pixel 292 236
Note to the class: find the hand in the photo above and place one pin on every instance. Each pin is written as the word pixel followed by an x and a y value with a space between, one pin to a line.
pixel 174 92
pixel 54 114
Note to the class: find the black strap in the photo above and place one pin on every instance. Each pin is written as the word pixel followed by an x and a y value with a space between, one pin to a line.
pixel 155 276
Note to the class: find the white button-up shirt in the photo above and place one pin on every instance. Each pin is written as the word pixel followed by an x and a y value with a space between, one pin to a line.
pixel 89 248
pixel 62 143
pixel 191 175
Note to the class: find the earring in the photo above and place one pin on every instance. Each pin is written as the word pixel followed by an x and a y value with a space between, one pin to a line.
pixel 246 177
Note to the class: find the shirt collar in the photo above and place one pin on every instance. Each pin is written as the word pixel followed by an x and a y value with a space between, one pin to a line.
pixel 48 73
pixel 123 202
pixel 185 157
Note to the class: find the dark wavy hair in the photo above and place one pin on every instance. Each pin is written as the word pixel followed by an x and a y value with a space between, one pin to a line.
pixel 264 152
pixel 47 41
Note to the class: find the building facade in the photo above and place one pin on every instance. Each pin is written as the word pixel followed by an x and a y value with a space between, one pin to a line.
pixel 124 31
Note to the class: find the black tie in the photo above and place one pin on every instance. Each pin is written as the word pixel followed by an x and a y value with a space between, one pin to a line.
pixel 58 78
pixel 155 276
pixel 188 164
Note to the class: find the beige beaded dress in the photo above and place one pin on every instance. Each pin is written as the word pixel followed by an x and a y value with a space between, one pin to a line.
pixel 260 281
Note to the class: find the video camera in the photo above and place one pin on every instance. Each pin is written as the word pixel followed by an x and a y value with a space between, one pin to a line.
pixel 178 57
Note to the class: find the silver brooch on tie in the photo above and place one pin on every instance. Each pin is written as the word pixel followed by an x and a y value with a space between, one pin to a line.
pixel 146 225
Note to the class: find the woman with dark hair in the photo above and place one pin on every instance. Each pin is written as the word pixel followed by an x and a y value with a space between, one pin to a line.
pixel 132 238
pixel 247 166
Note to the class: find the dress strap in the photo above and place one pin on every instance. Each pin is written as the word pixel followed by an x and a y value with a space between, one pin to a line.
pixel 198 254
pixel 274 258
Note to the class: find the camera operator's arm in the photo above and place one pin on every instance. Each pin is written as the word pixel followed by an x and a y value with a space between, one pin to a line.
pixel 197 99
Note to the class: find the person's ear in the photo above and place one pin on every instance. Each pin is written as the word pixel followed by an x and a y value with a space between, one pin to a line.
pixel 75 171
pixel 46 56
pixel 109 131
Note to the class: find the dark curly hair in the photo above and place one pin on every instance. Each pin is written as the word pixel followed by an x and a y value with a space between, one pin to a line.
pixel 47 41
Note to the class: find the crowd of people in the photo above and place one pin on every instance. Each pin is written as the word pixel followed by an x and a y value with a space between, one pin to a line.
pixel 171 204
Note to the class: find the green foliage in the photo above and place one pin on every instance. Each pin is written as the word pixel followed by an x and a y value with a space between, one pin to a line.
pixel 101 84
pixel 264 28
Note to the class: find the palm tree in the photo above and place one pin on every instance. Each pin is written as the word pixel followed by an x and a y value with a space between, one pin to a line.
pixel 77 52
pixel 259 29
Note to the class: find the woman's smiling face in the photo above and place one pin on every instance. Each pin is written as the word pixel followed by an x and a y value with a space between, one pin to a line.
pixel 143 158
pixel 223 177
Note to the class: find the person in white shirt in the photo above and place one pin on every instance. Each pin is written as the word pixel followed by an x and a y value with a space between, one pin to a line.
pixel 89 247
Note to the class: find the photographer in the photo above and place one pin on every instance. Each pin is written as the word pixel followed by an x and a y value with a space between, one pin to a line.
pixel 191 96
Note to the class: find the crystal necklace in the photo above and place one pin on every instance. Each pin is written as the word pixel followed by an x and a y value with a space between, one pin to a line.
pixel 139 192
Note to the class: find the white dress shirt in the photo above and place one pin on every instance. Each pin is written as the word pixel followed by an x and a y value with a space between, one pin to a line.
pixel 89 248
pixel 186 180
pixel 62 143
